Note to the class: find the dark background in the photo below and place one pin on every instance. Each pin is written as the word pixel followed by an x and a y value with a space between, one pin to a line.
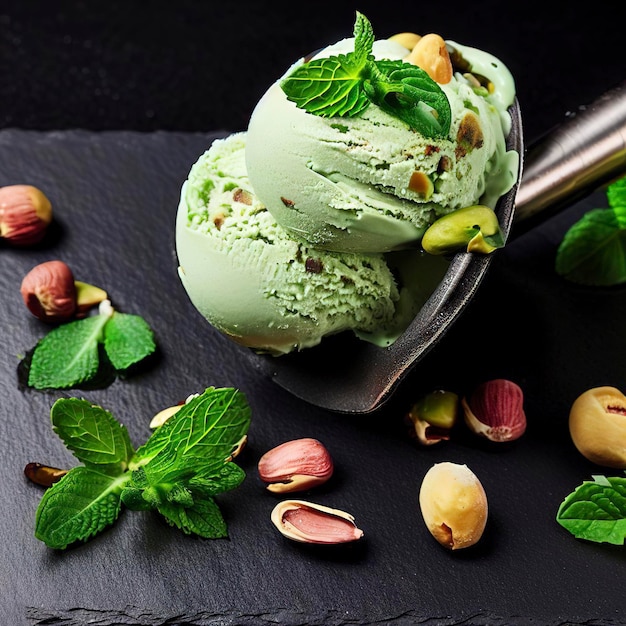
pixel 87 90
pixel 201 66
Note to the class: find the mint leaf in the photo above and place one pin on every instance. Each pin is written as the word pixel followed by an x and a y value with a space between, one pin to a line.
pixel 177 471
pixel 191 451
pixel 408 93
pixel 363 39
pixel 204 518
pixel 94 436
pixel 205 431
pixel 127 340
pixel 327 87
pixel 596 511
pixel 345 84
pixel 83 503
pixel 593 251
pixel 332 86
pixel 67 355
pixel 210 483
pixel 616 193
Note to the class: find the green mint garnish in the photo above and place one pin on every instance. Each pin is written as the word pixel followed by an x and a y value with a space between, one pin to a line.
pixel 177 472
pixel 593 251
pixel 344 86
pixel 596 510
pixel 70 354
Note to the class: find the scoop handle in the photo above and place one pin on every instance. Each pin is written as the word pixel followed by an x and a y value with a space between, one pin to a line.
pixel 583 153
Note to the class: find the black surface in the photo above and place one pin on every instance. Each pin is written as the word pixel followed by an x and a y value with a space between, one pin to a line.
pixel 194 65
pixel 129 67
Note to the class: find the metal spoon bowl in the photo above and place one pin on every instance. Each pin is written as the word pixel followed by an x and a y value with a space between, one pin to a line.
pixel 347 375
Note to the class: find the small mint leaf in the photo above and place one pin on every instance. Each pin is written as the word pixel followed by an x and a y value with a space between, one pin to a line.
pixel 226 478
pixel 94 436
pixel 204 431
pixel 593 251
pixel 410 94
pixel 596 511
pixel 329 87
pixel 83 503
pixel 616 193
pixel 68 355
pixel 332 87
pixel 127 340
pixel 204 518
pixel 363 39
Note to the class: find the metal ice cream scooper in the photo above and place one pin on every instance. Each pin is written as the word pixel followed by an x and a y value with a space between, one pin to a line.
pixel 346 375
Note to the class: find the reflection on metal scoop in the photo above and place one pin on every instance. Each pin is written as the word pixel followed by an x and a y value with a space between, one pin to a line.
pixel 346 375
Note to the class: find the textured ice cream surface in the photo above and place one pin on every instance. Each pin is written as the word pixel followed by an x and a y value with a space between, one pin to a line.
pixel 263 288
pixel 370 183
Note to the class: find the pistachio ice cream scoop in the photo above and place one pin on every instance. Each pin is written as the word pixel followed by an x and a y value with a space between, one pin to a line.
pixel 265 289
pixel 371 182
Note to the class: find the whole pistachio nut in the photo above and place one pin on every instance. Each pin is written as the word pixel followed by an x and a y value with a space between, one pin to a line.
pixel 308 522
pixel 25 213
pixel 597 425
pixel 296 465
pixel 433 416
pixel 454 505
pixel 474 229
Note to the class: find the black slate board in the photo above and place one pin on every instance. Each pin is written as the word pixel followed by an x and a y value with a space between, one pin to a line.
pixel 115 195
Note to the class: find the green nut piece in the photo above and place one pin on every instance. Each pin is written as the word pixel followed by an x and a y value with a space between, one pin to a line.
pixel 473 228
pixel 434 415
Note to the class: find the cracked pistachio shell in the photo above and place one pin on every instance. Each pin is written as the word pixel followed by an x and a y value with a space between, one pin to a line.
pixel 308 522
pixel 597 425
pixel 495 410
pixel 454 505
pixel 474 229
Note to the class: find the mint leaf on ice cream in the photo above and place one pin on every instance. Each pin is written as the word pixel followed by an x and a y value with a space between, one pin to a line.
pixel 345 84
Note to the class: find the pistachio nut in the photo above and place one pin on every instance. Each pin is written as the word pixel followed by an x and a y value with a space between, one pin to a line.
pixel 474 228
pixel 597 425
pixel 296 465
pixel 433 416
pixel 454 505
pixel 308 522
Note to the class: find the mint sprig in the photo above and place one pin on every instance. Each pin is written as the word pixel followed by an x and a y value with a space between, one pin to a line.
pixel 177 472
pixel 344 85
pixel 593 250
pixel 71 354
pixel 596 510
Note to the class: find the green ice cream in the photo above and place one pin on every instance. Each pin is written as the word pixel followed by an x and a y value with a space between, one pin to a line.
pixel 256 284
